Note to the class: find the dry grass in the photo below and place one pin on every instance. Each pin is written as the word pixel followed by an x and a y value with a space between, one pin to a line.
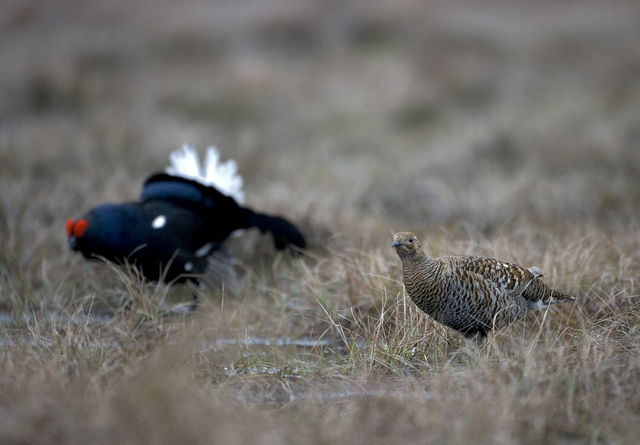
pixel 507 130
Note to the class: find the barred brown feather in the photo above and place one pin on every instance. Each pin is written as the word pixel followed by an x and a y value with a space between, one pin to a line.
pixel 471 294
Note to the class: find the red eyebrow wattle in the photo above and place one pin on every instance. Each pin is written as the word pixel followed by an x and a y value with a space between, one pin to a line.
pixel 69 226
pixel 80 227
pixel 77 228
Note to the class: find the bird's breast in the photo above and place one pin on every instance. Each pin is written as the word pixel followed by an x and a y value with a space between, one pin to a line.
pixel 425 287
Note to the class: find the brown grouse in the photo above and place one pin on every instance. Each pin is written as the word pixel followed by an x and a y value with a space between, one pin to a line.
pixel 470 294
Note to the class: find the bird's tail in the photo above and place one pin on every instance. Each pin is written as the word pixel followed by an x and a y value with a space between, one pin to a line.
pixel 555 296
pixel 541 296
pixel 284 233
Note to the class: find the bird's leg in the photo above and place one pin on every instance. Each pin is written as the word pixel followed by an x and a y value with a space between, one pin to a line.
pixel 194 294
pixel 479 338
pixel 126 304
pixel 474 342
pixel 193 286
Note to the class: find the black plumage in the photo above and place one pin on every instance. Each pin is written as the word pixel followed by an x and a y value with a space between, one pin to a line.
pixel 171 231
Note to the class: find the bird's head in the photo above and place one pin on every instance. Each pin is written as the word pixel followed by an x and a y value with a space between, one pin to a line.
pixel 407 246
pixel 99 231
pixel 76 230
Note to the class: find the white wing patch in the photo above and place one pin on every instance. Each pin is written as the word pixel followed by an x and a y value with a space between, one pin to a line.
pixel 159 222
pixel 222 175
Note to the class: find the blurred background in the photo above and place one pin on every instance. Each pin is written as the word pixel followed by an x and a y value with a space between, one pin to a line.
pixel 356 117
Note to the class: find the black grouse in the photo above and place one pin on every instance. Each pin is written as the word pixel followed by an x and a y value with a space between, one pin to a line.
pixel 183 216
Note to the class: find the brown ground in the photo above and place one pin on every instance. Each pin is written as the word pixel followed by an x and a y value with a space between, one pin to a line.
pixel 507 129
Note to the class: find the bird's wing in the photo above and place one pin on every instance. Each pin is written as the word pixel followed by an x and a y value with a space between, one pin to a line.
pixel 177 239
pixel 186 192
pixel 506 276
pixel 174 226
pixel 484 302
pixel 468 282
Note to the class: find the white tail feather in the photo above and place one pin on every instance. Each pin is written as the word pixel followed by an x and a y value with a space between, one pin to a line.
pixel 223 176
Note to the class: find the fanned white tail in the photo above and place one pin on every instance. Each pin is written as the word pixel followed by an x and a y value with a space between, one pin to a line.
pixel 223 176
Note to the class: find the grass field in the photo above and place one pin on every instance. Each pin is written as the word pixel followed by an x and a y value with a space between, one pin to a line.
pixel 505 129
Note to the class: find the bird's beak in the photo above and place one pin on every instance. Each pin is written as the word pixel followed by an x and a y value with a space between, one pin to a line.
pixel 73 242
pixel 395 244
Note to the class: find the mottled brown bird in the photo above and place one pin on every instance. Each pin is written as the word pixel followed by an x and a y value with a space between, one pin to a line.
pixel 471 294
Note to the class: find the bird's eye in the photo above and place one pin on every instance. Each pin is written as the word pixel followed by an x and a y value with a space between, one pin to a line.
pixel 410 240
